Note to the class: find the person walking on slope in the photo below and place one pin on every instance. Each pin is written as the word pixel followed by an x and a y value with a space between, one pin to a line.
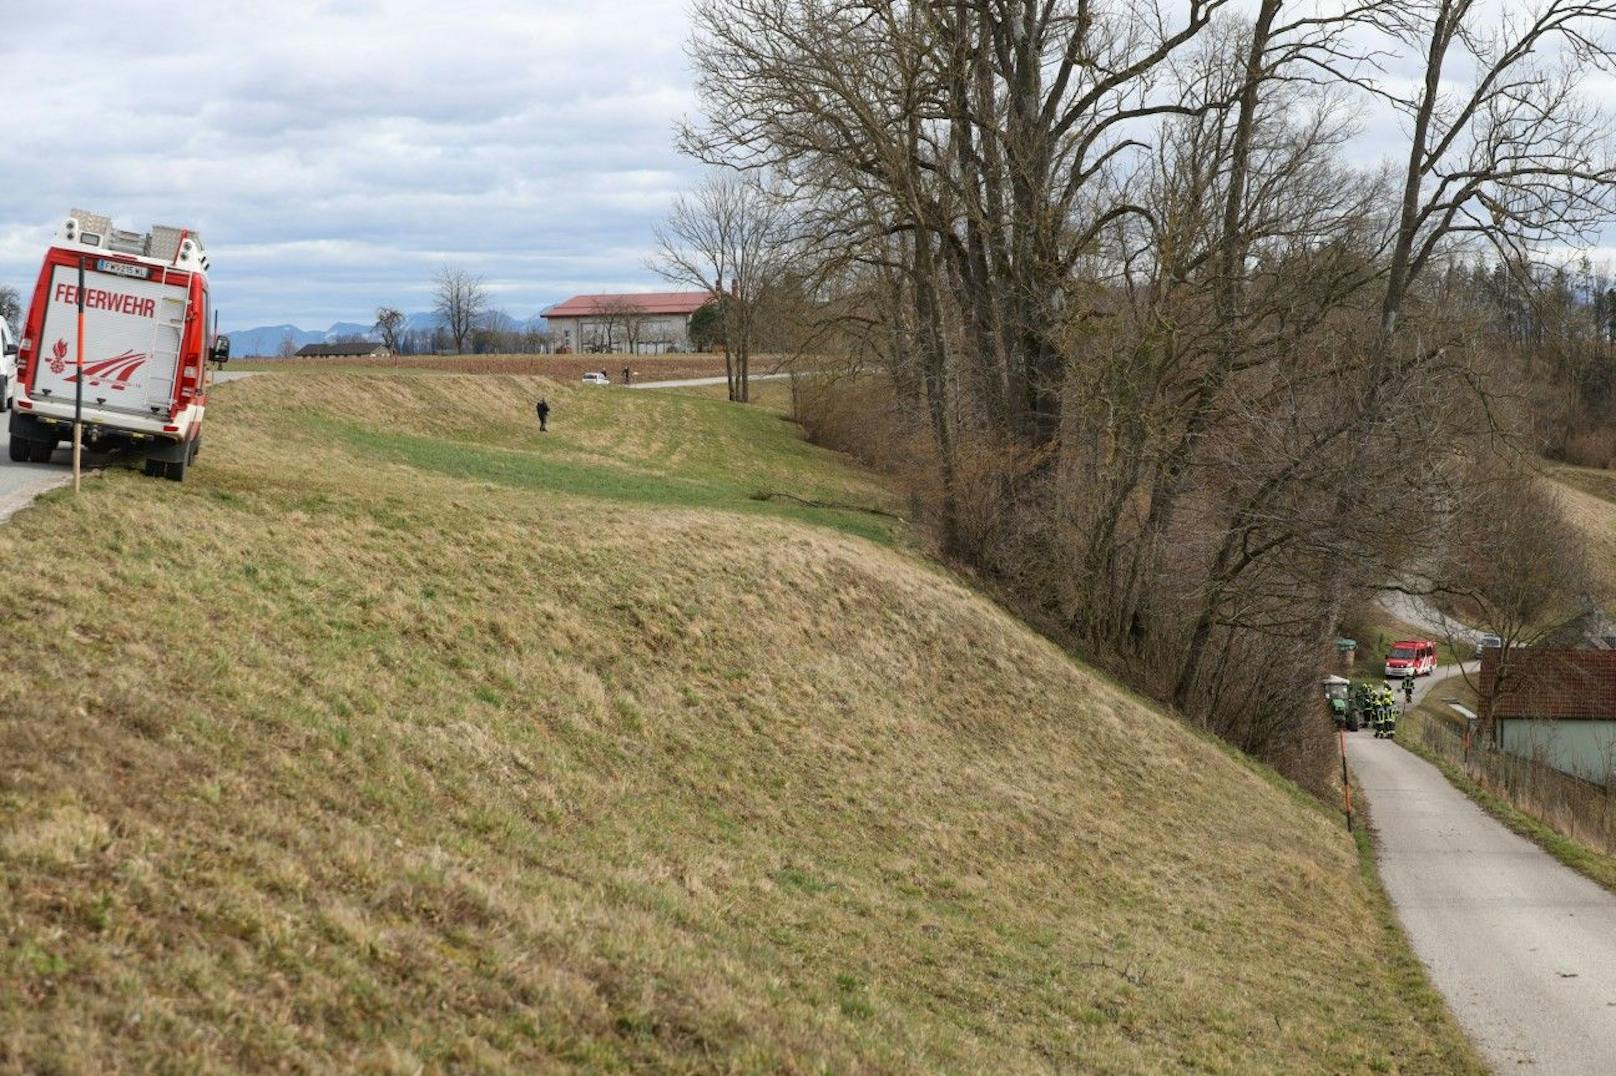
pixel 544 415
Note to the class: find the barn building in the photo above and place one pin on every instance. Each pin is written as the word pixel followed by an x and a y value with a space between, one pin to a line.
pixel 358 350
pixel 648 323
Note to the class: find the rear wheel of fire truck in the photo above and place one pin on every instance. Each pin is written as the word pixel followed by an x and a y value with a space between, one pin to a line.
pixel 19 450
pixel 174 470
pixel 155 468
pixel 41 451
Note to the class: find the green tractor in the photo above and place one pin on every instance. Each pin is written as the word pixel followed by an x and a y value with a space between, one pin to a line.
pixel 1335 697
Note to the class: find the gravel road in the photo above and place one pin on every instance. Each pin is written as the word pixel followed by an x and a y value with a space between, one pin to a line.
pixel 1522 947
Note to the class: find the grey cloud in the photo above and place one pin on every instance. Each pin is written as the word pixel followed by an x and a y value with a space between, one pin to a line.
pixel 334 154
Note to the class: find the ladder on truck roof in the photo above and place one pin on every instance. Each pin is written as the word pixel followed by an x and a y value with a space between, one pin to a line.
pixel 168 339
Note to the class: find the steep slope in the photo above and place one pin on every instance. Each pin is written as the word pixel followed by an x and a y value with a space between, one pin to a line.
pixel 1589 498
pixel 404 736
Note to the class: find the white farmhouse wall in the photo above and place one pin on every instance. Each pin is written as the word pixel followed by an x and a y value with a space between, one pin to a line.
pixel 657 333
pixel 1585 749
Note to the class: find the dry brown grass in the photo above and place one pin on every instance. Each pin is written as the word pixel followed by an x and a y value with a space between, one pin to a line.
pixel 1589 499
pixel 336 757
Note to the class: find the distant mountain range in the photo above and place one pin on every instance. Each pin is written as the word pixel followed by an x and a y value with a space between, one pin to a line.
pixel 267 339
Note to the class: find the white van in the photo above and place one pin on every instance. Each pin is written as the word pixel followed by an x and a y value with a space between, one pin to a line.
pixel 8 366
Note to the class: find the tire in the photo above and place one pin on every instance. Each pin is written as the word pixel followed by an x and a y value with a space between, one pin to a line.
pixel 19 450
pixel 41 451
pixel 155 468
pixel 175 470
pixel 193 450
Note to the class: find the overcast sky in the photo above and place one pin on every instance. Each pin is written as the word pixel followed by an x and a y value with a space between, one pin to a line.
pixel 334 154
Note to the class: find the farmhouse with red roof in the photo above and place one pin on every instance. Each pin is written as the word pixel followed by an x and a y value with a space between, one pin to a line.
pixel 1554 705
pixel 646 323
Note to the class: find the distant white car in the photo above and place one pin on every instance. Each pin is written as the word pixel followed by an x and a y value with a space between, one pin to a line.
pixel 597 377
pixel 8 366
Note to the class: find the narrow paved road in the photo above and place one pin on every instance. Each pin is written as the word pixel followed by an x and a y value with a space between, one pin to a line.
pixel 1436 681
pixel 20 483
pixel 1523 948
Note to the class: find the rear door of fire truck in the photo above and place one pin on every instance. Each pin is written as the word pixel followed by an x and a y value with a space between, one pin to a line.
pixel 134 325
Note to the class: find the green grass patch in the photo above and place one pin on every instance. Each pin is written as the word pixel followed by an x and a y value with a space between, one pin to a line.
pixel 578 475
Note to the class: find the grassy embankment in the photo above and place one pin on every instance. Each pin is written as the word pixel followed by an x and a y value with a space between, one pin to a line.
pixel 400 736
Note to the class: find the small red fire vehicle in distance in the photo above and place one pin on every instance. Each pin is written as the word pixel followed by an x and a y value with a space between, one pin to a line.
pixel 148 338
pixel 1410 657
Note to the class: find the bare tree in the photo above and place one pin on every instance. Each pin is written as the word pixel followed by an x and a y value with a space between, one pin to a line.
pixel 602 326
pixel 1183 379
pixel 1512 562
pixel 287 348
pixel 10 308
pixel 460 300
pixel 389 326
pixel 728 238
pixel 624 320
pixel 1514 155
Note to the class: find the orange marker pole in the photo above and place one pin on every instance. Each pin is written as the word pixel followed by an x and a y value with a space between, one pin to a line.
pixel 78 385
pixel 1346 778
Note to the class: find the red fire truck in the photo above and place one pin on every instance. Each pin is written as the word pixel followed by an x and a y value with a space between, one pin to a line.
pixel 147 343
pixel 1410 657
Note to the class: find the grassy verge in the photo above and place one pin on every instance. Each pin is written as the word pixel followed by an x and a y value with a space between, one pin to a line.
pixel 401 736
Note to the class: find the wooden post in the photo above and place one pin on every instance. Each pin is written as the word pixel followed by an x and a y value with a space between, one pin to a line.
pixel 78 385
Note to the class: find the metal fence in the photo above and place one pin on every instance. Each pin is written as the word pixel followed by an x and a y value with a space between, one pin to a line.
pixel 1582 810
